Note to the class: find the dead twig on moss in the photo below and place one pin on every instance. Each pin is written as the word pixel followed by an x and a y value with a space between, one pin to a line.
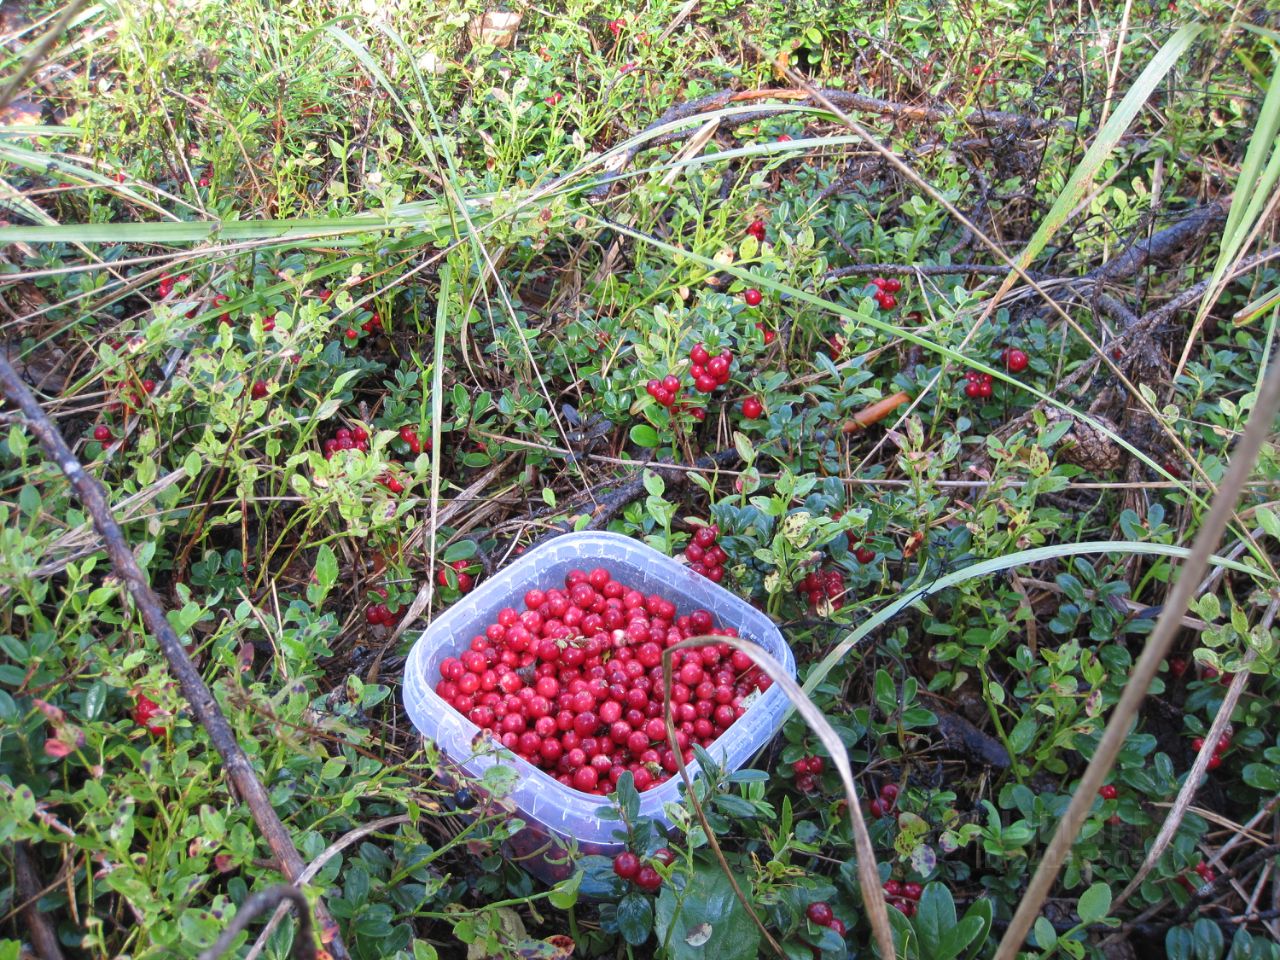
pixel 240 772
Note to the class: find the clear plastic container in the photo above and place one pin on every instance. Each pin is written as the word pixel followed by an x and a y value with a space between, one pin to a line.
pixel 551 810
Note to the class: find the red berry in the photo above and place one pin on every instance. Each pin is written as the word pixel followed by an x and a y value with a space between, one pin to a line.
pixel 144 710
pixel 102 433
pixel 752 297
pixel 699 355
pixel 258 390
pixel 892 285
pixel 752 408
pixel 889 792
pixel 837 925
pixel 665 856
pixel 756 229
pixel 878 808
pixel 864 555
pixel 626 865
pixel 1197 743
pixel 1016 360
pixel 801 766
pixel 351 333
pixel 984 389
pixel 671 384
pixel 892 888
pixel 1177 666
pixel 1108 792
pixel 887 301
pixel 819 913
pixel 817 764
pixel 1215 761
pixel 648 879
pixel 912 891
pixel 806 783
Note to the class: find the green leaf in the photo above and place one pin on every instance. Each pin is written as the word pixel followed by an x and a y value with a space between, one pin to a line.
pixel 1023 734
pixel 653 484
pixel 424 951
pixel 1262 776
pixel 935 917
pixel 643 435
pixel 1206 940
pixel 565 894
pixel 1268 520
pixel 326 567
pixel 1094 903
pixel 705 921
pixel 635 918
pixel 1046 937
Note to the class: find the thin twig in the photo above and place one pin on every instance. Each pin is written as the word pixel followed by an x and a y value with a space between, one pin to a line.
pixel 240 771
pixel 304 943
pixel 1157 647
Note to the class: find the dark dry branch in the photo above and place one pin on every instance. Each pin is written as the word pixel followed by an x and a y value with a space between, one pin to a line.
pixel 962 736
pixel 1161 244
pixel 41 932
pixel 239 770
pixel 304 944
pixel 844 99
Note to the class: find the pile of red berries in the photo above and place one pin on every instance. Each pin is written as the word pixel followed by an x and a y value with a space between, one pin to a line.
pixel 807 770
pixel 629 867
pixel 1015 360
pixel 903 896
pixel 756 229
pixel 704 555
pixel 665 390
pixel 464 580
pixel 347 438
pixel 820 913
pixel 144 712
pixel 573 684
pixel 821 585
pixel 709 372
pixel 978 385
pixel 409 434
pixel 378 613
pixel 886 291
pixel 1219 748
pixel 883 805
pixel 167 283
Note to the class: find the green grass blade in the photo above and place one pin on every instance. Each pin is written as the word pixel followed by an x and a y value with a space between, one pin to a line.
pixel 1082 178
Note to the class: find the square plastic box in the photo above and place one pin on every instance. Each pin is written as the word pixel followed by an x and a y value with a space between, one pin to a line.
pixel 550 810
